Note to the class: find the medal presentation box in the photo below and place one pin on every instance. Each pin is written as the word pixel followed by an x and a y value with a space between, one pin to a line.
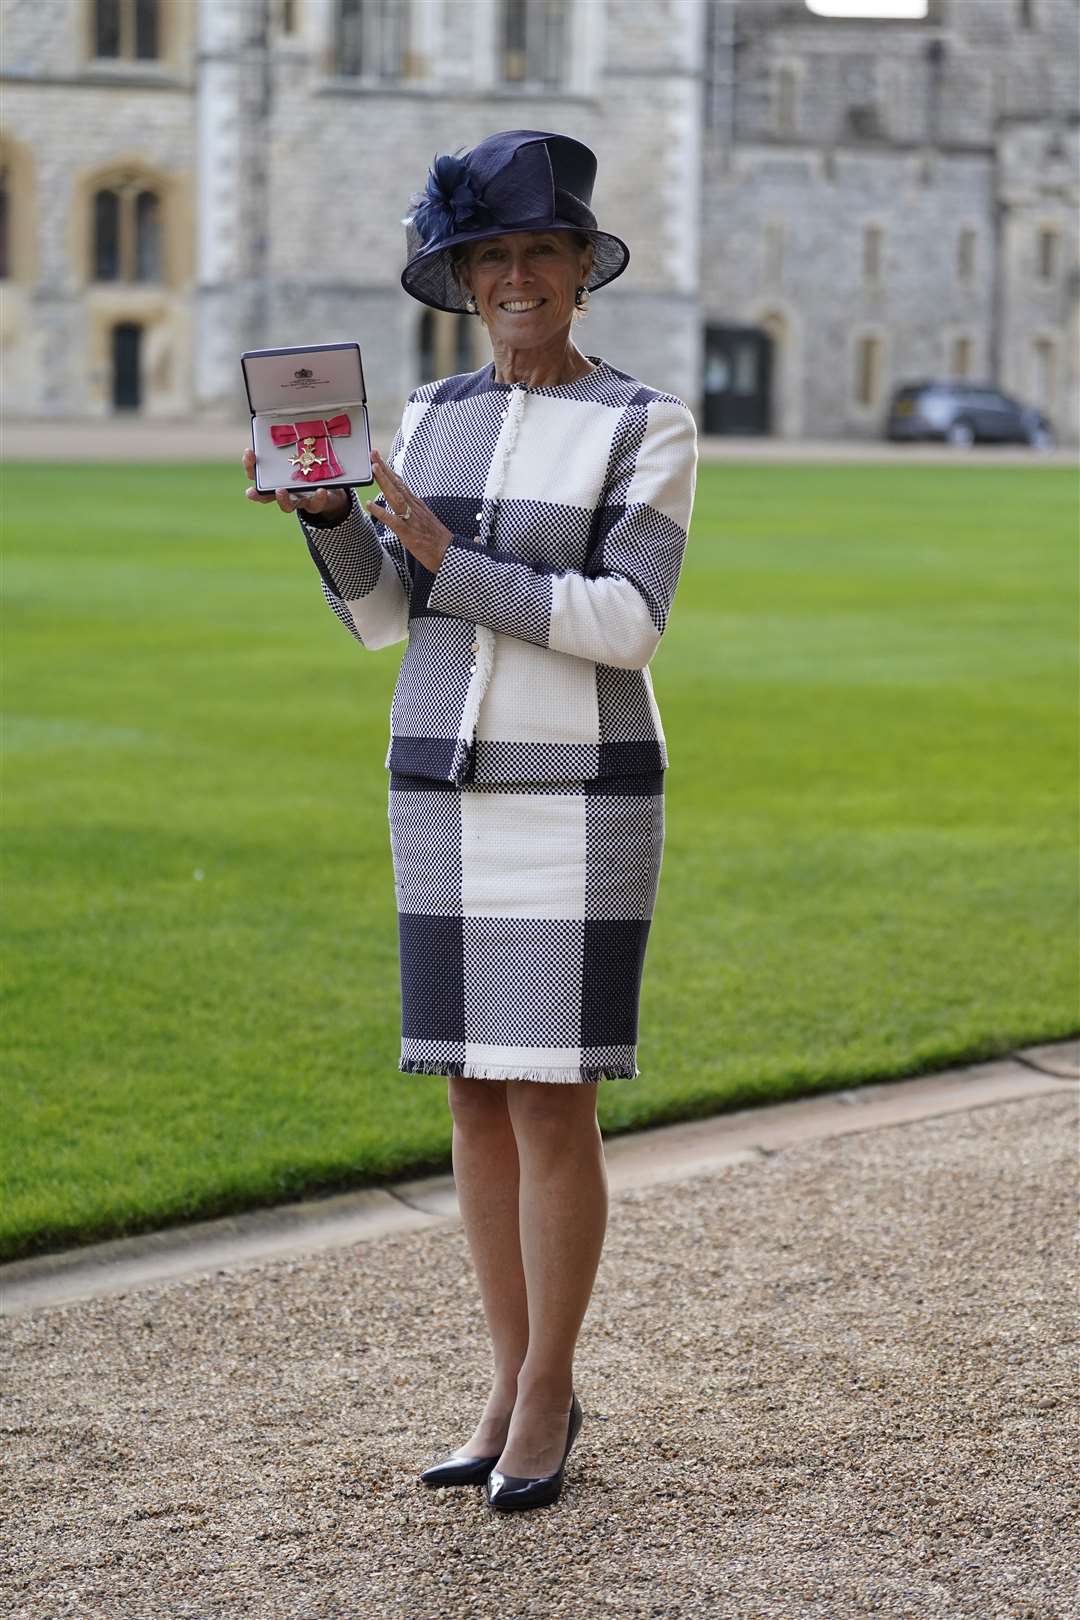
pixel 309 420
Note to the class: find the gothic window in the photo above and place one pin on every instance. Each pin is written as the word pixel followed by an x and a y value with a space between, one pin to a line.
pixel 533 43
pixel 287 16
pixel 106 236
pixel 107 28
pixel 872 240
pixel 127 30
pixel 127 233
pixel 371 39
pixel 146 29
pixel 147 236
pixel 1026 10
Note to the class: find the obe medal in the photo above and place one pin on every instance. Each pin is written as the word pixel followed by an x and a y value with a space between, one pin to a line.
pixel 306 458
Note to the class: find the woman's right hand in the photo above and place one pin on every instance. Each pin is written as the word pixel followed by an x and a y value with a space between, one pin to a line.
pixel 320 502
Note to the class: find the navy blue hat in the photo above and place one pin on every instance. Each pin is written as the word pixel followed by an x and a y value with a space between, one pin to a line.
pixel 518 180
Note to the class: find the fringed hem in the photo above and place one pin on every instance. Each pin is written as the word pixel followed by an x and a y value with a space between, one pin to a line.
pixel 502 1071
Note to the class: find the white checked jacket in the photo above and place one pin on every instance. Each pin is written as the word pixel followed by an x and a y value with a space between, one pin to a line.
pixel 528 649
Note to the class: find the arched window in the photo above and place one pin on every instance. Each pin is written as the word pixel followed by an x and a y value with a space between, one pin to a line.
pixel 127 232
pixel 147 236
pixel 106 236
pixel 127 30
pixel 533 43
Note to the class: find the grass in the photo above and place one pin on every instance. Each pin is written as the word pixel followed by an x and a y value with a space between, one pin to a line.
pixel 870 868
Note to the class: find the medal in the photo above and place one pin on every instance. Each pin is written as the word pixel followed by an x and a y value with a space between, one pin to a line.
pixel 307 458
pixel 314 458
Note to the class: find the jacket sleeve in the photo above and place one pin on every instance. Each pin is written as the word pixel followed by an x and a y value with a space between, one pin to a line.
pixel 364 569
pixel 616 611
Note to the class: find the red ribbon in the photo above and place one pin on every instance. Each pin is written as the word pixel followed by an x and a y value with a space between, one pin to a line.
pixel 327 464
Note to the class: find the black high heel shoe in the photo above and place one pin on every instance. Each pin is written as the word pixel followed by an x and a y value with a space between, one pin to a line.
pixel 459 1471
pixel 514 1491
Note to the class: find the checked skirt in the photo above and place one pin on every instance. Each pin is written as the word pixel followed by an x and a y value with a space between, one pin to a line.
pixel 523 916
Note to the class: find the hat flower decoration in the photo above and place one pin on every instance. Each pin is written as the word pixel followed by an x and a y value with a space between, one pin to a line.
pixel 517 180
pixel 449 202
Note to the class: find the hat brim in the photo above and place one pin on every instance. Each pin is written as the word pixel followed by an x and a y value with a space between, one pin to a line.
pixel 429 275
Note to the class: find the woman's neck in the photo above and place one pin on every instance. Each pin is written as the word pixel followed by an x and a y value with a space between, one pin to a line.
pixel 544 367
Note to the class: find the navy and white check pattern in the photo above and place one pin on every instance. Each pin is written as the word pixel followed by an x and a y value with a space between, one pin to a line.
pixel 523 915
pixel 528 648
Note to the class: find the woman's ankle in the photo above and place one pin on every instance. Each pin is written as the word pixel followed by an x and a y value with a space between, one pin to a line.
pixel 504 1385
pixel 545 1385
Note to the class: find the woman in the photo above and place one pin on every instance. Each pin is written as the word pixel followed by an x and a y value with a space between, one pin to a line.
pixel 527 540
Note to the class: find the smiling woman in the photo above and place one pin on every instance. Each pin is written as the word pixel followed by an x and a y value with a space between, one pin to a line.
pixel 527 542
pixel 477 265
pixel 528 287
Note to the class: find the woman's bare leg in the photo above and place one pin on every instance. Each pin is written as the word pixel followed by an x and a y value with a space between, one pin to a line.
pixel 485 1162
pixel 563 1207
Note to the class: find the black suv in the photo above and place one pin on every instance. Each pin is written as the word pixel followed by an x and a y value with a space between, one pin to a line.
pixel 964 413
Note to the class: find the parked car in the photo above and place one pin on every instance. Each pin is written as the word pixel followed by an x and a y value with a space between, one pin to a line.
pixel 963 414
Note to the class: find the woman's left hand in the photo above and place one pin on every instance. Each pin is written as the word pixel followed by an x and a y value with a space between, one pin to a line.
pixel 420 531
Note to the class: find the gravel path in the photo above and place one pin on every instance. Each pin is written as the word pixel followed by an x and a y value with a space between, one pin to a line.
pixel 833 1384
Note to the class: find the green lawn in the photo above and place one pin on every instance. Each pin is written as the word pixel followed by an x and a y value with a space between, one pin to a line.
pixel 870 869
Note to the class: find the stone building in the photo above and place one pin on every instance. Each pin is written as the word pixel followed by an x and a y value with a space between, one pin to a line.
pixel 888 201
pixel 817 209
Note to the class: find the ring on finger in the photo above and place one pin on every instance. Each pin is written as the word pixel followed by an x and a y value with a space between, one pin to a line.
pixel 407 514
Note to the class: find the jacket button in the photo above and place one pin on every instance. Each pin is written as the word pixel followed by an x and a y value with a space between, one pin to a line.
pixel 479 517
pixel 475 646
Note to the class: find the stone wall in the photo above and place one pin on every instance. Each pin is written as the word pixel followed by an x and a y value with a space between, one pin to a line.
pixel 823 130
pixel 76 125
pixel 744 154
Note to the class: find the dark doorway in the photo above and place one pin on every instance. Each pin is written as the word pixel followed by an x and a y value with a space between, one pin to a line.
pixel 738 375
pixel 126 369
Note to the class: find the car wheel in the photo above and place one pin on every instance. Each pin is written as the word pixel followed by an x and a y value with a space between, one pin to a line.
pixel 1041 438
pixel 960 433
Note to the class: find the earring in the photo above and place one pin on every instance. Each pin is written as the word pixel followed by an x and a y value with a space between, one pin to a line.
pixel 581 298
pixel 470 304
